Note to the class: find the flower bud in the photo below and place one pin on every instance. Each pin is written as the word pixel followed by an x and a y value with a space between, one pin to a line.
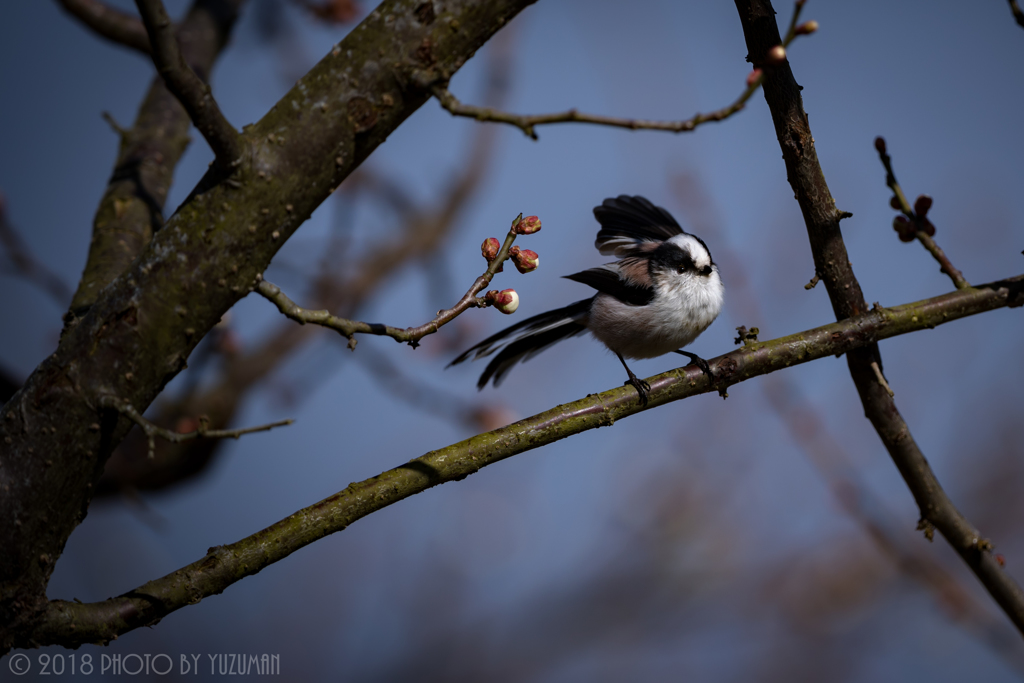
pixel 489 249
pixel 902 225
pixel 776 55
pixel 753 76
pixel 880 144
pixel 507 301
pixel 921 205
pixel 895 203
pixel 926 227
pixel 806 28
pixel 525 260
pixel 528 226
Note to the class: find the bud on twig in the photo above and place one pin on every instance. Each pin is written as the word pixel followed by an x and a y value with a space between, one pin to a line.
pixel 806 28
pixel 525 259
pixel 753 76
pixel 506 301
pixel 489 249
pixel 776 55
pixel 880 144
pixel 902 225
pixel 527 226
pixel 921 205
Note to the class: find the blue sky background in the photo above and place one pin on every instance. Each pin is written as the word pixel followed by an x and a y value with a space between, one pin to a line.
pixel 733 556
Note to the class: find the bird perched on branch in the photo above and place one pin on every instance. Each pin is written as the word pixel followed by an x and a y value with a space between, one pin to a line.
pixel 657 298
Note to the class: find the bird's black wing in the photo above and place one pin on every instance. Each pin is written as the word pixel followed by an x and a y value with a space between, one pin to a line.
pixel 631 225
pixel 607 280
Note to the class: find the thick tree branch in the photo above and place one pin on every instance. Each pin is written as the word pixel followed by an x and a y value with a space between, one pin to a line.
pixel 109 22
pixel 833 266
pixel 132 206
pixel 147 321
pixel 72 624
pixel 190 90
pixel 424 229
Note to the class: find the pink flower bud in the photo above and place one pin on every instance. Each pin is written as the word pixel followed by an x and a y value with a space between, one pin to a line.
pixel 753 76
pixel 806 28
pixel 507 301
pixel 776 55
pixel 528 226
pixel 525 260
pixel 489 249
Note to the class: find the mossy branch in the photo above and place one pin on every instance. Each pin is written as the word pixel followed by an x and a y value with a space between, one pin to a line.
pixel 72 624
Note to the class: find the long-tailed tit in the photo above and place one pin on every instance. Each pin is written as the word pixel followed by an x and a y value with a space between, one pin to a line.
pixel 658 297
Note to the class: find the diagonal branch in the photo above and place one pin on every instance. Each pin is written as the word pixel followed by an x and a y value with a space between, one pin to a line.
pixel 1018 14
pixel 131 209
pixel 190 90
pixel 201 262
pixel 109 22
pixel 72 624
pixel 782 93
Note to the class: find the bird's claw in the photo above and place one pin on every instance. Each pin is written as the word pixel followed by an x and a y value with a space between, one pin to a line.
pixel 642 387
pixel 699 362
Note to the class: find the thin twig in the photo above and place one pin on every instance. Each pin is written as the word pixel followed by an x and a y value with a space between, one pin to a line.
pixel 918 220
pixel 201 432
pixel 409 335
pixel 110 23
pixel 1018 14
pixel 25 264
pixel 70 623
pixel 526 123
pixel 190 90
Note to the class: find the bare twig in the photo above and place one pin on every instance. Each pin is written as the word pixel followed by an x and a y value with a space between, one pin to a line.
pixel 1018 14
pixel 409 335
pixel 832 262
pixel 109 22
pixel 526 123
pixel 918 224
pixel 71 623
pixel 190 90
pixel 152 431
pixel 25 264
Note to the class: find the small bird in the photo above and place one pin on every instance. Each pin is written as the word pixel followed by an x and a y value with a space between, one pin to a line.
pixel 658 297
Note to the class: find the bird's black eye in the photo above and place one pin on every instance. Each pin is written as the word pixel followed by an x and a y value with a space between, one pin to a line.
pixel 681 268
pixel 706 270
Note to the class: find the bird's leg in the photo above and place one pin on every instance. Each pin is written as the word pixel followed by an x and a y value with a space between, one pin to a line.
pixel 641 386
pixel 699 362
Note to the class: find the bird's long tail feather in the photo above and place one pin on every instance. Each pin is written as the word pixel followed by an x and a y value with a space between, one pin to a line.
pixel 522 341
